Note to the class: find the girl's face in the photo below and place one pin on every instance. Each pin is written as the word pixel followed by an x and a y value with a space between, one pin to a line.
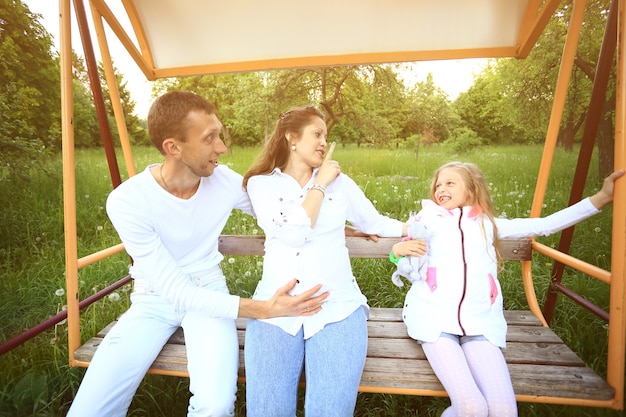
pixel 310 148
pixel 450 189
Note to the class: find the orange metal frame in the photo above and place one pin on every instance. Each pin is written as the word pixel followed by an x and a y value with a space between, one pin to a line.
pixel 614 278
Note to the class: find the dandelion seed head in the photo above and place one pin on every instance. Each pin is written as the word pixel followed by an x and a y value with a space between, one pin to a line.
pixel 231 260
pixel 114 297
pixel 60 292
pixel 597 230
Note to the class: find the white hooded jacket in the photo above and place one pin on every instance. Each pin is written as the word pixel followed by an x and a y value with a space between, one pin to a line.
pixel 461 293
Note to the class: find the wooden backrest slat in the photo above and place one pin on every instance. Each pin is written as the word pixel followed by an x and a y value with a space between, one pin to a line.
pixel 359 247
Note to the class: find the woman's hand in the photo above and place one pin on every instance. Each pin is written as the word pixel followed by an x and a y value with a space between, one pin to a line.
pixel 353 231
pixel 329 170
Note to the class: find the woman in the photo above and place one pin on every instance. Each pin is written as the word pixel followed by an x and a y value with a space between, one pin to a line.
pixel 302 201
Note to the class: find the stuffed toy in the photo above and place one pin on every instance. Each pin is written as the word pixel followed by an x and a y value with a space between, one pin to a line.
pixel 412 268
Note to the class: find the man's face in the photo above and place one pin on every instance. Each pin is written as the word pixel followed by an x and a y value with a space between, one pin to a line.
pixel 203 145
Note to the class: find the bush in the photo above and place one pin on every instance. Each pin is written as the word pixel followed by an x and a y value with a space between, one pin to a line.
pixel 463 140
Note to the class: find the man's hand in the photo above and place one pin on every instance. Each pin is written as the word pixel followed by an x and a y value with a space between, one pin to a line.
pixel 284 304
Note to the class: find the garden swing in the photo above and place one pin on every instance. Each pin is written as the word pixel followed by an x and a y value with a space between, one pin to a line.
pixel 170 39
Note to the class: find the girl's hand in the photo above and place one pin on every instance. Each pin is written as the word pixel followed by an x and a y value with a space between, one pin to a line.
pixel 605 195
pixel 410 248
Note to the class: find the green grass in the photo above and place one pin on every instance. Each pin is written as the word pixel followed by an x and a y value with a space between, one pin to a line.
pixel 36 380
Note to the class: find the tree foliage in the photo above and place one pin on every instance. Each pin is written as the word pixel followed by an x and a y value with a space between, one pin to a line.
pixel 512 100
pixel 362 104
pixel 134 126
pixel 29 89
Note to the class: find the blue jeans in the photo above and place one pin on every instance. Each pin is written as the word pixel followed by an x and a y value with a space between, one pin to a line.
pixel 333 361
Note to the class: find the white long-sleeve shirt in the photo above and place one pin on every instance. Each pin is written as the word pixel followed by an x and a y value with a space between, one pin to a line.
pixel 174 242
pixel 313 255
pixel 461 293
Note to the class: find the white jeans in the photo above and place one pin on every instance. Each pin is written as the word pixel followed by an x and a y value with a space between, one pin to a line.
pixel 129 349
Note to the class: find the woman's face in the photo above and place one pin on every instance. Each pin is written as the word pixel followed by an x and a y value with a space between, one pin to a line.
pixel 450 189
pixel 310 148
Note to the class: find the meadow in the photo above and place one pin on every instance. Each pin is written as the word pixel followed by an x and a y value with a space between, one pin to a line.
pixel 36 380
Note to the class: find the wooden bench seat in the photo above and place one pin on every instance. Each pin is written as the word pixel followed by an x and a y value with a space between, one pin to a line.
pixel 543 368
pixel 541 365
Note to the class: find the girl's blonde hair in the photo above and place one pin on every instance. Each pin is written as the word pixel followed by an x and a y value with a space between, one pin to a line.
pixel 275 153
pixel 478 193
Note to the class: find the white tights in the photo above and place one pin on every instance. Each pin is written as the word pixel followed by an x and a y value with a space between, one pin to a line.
pixel 475 376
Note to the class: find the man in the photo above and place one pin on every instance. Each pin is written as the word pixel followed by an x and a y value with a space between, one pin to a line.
pixel 169 218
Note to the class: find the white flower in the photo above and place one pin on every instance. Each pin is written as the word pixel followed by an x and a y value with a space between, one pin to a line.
pixel 247 273
pixel 60 292
pixel 597 230
pixel 99 228
pixel 231 260
pixel 114 297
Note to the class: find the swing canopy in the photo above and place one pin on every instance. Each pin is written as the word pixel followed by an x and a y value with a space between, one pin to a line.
pixel 192 37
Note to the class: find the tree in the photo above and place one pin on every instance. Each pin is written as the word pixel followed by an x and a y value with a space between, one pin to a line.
pixel 29 88
pixel 240 100
pixel 527 86
pixel 367 101
pixel 137 133
pixel 484 109
pixel 431 116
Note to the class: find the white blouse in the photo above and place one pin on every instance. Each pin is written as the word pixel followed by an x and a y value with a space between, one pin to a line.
pixel 313 255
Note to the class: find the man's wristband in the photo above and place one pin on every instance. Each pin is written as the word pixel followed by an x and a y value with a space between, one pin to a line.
pixel 393 259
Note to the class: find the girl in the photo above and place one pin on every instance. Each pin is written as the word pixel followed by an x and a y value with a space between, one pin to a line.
pixel 455 312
